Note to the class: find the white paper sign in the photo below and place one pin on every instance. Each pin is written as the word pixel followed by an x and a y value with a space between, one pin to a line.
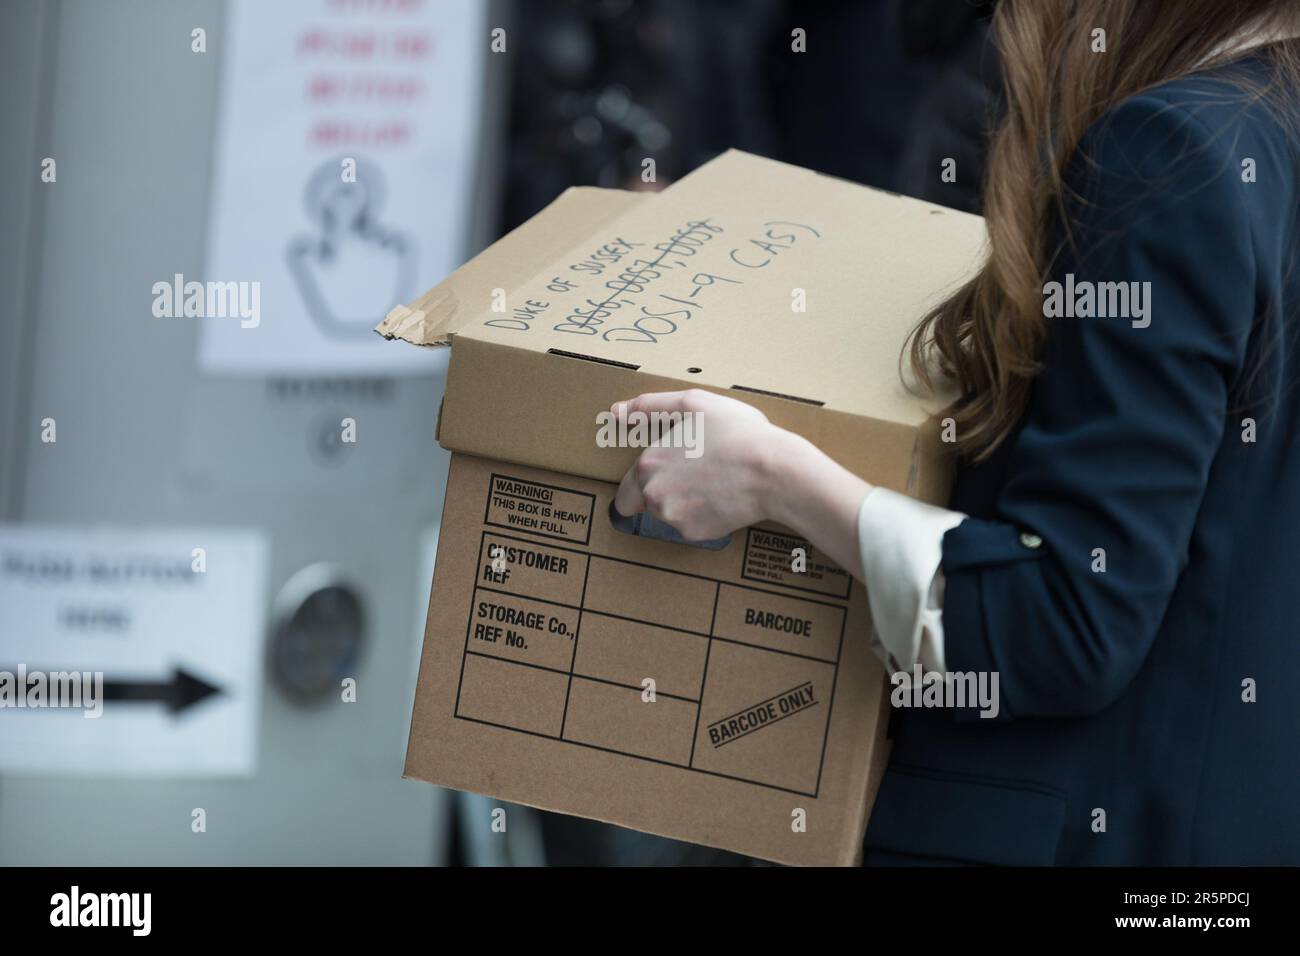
pixel 172 621
pixel 346 145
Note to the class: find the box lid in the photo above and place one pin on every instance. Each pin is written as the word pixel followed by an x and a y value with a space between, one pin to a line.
pixel 790 289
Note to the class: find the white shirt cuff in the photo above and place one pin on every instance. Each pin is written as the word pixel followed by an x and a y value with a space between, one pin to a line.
pixel 901 542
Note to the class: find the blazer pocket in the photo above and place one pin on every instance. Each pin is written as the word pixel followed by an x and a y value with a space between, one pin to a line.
pixel 937 814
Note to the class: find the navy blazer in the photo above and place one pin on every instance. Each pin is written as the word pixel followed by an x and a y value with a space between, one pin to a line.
pixel 1150 712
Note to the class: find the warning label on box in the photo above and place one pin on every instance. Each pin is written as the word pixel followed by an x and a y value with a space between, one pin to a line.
pixel 790 560
pixel 540 509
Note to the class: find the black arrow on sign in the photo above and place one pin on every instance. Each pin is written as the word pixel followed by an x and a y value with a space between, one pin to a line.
pixel 182 691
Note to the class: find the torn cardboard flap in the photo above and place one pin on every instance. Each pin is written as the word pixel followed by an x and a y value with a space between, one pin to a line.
pixel 434 317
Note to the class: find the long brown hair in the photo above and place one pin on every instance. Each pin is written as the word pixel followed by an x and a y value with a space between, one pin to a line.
pixel 987 337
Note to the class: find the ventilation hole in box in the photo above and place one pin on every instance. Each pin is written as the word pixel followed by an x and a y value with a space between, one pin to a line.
pixel 695 371
pixel 936 212
pixel 592 358
pixel 788 398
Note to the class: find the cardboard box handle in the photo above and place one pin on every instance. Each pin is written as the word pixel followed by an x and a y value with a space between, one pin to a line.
pixel 646 525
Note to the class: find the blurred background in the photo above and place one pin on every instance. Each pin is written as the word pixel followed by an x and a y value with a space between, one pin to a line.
pixel 232 514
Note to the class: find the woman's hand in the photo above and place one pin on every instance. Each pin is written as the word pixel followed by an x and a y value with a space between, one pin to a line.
pixel 742 470
pixel 722 483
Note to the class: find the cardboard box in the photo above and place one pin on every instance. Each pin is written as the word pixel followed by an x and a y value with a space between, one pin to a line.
pixel 535 685
pixel 790 290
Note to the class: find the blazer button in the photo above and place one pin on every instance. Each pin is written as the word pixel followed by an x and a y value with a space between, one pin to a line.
pixel 1030 540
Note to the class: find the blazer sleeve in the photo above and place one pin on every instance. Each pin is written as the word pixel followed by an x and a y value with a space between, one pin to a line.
pixel 1112 459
